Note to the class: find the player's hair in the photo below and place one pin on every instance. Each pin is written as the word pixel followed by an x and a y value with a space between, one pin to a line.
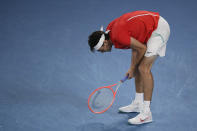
pixel 95 37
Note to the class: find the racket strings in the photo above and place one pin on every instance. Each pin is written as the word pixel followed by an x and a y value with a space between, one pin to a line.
pixel 101 99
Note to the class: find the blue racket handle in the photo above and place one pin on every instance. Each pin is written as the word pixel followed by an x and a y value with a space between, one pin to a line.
pixel 124 79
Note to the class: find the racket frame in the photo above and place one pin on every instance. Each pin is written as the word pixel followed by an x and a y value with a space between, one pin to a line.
pixel 114 95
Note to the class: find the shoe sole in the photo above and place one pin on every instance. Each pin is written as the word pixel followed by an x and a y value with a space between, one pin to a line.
pixel 149 121
pixel 129 111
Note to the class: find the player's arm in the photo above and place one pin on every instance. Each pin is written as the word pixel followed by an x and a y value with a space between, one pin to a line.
pixel 138 51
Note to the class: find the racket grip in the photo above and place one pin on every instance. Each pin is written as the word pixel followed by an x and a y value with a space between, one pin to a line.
pixel 124 79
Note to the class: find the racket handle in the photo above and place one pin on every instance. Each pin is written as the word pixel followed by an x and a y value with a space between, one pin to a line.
pixel 124 79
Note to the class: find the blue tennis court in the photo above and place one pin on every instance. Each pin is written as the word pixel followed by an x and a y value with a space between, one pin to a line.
pixel 47 71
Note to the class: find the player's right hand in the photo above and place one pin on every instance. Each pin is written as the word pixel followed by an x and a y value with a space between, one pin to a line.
pixel 130 73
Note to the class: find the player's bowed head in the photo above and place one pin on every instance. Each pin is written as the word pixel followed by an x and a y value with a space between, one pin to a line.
pixel 100 41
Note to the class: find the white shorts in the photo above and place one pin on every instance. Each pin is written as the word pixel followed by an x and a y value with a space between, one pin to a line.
pixel 156 44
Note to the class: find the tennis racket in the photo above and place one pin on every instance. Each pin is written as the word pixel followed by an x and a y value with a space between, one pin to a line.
pixel 101 99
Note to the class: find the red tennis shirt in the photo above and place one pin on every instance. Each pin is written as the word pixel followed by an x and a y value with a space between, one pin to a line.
pixel 138 24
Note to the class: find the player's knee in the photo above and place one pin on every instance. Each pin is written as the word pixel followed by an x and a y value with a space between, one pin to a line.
pixel 143 69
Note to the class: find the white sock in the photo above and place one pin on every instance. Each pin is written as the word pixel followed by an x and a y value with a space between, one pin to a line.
pixel 139 97
pixel 147 106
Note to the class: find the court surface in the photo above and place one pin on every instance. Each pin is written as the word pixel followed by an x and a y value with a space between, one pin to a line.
pixel 47 70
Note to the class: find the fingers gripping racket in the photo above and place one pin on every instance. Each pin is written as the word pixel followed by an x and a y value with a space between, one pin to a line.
pixel 101 99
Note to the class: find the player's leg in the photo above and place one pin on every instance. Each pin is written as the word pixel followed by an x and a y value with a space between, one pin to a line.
pixel 147 77
pixel 138 82
pixel 139 95
pixel 145 66
pixel 136 104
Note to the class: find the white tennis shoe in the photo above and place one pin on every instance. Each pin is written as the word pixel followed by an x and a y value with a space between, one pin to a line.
pixel 143 117
pixel 133 107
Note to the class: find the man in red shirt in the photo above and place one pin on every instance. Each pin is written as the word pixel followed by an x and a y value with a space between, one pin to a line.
pixel 146 34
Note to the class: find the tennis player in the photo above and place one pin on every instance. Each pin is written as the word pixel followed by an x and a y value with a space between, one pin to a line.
pixel 146 34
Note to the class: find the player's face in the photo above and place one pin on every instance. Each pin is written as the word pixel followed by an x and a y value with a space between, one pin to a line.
pixel 106 47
